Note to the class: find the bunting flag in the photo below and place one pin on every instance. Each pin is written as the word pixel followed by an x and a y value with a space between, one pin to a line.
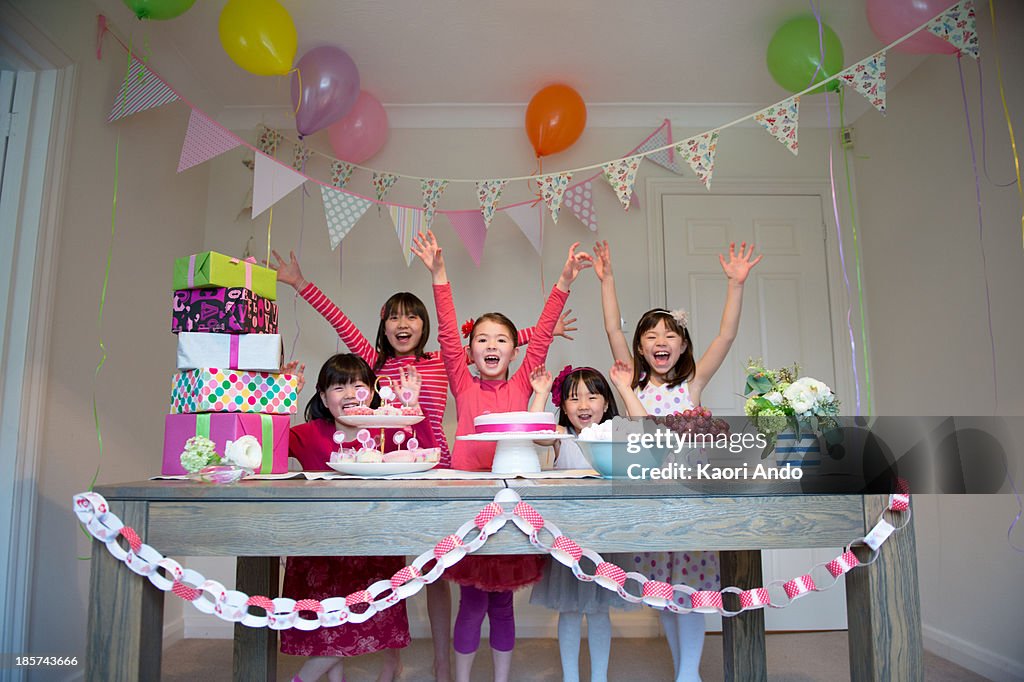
pixel 141 89
pixel 699 152
pixel 957 27
pixel 488 192
pixel 621 175
pixel 408 221
pixel 579 199
pixel 341 173
pixel 268 140
pixel 300 156
pixel 552 188
pixel 383 182
pixel 868 78
pixel 472 230
pixel 781 120
pixel 272 182
pixel 664 158
pixel 530 220
pixel 432 191
pixel 343 211
pixel 204 140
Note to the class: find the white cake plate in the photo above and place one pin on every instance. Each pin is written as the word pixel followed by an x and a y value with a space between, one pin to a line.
pixel 515 452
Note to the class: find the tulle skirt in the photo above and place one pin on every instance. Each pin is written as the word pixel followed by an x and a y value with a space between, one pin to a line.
pixel 497 573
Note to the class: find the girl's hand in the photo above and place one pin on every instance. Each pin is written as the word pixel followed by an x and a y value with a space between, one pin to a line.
pixel 426 248
pixel 288 273
pixel 299 370
pixel 574 264
pixel 541 380
pixel 621 375
pixel 564 325
pixel 602 260
pixel 739 265
pixel 410 379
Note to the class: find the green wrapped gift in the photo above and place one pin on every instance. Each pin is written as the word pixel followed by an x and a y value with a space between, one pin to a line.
pixel 211 269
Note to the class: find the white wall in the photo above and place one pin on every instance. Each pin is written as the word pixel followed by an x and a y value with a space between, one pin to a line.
pixel 930 345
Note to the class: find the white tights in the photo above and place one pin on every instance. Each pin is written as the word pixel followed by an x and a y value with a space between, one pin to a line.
pixel 599 639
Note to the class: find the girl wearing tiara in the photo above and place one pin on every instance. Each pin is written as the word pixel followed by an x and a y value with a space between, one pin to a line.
pixel 583 397
pixel 667 380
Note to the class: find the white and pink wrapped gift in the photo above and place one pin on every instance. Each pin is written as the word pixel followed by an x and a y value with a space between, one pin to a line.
pixel 254 352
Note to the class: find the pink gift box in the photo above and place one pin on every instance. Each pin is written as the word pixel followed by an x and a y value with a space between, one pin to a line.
pixel 270 430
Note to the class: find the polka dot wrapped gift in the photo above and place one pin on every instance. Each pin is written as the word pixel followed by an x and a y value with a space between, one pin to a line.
pixel 220 390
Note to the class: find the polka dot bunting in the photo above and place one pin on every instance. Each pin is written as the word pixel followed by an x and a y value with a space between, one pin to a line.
pixel 212 390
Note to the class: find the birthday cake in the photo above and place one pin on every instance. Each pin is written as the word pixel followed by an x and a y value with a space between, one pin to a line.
pixel 515 422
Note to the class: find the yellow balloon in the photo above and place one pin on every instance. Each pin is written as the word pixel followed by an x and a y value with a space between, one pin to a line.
pixel 259 36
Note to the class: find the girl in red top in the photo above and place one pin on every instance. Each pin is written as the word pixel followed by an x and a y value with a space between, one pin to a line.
pixel 320 577
pixel 487 582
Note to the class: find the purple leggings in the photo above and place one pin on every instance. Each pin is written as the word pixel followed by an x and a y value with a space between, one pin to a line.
pixel 474 604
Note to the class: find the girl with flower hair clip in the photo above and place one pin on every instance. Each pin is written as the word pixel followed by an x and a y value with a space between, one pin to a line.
pixel 583 397
pixel 667 380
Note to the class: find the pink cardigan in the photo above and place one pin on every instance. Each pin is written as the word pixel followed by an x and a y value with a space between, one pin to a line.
pixel 475 396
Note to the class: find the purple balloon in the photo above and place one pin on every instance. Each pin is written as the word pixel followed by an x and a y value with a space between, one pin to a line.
pixel 330 87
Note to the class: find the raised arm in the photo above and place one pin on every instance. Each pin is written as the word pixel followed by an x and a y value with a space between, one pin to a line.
pixel 610 304
pixel 736 270
pixel 288 272
pixel 621 375
pixel 541 381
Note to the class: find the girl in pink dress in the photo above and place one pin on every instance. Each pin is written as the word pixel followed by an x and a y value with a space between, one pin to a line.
pixel 667 380
pixel 487 583
pixel 317 577
pixel 402 335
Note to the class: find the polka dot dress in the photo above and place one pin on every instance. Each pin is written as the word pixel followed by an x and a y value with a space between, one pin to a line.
pixel 697 569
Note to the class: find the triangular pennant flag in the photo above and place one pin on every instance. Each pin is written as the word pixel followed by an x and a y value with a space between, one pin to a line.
pixel 141 89
pixel 408 221
pixel 341 173
pixel 300 156
pixel 579 199
pixel 529 218
pixel 432 190
pixel 664 158
pixel 699 152
pixel 621 175
pixel 868 78
pixel 268 140
pixel 781 121
pixel 272 182
pixel 552 187
pixel 957 27
pixel 472 230
pixel 488 192
pixel 343 211
pixel 204 140
pixel 382 182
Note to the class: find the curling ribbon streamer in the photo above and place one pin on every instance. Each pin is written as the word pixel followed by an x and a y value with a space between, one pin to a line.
pixel 1006 113
pixel 283 613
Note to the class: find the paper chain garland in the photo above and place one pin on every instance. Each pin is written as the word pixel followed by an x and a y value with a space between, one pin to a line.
pixel 282 613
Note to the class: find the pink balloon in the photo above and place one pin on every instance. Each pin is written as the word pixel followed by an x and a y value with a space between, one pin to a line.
pixel 362 133
pixel 890 19
pixel 329 88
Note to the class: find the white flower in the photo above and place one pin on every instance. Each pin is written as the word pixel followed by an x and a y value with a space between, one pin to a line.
pixel 245 452
pixel 775 398
pixel 801 405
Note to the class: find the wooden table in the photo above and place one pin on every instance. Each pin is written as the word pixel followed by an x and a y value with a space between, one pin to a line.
pixel 259 521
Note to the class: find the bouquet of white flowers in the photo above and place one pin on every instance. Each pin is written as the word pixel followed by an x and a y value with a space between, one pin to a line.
pixel 778 401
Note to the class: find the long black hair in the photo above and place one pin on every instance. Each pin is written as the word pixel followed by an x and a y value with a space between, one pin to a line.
pixel 340 369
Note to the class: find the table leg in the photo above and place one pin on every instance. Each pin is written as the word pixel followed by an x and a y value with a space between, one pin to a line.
pixel 126 612
pixel 883 607
pixel 743 635
pixel 256 648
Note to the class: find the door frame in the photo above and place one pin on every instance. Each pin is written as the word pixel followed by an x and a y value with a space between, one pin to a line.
pixel 658 188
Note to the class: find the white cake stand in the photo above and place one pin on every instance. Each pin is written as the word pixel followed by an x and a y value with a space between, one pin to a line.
pixel 515 453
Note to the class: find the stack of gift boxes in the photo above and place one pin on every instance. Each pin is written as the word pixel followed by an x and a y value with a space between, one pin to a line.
pixel 228 383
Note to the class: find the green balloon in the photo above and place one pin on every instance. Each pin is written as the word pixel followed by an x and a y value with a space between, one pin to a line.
pixel 795 53
pixel 158 9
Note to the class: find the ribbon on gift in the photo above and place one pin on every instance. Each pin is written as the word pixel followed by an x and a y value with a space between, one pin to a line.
pixel 233 351
pixel 510 428
pixel 266 439
pixel 192 271
pixel 248 262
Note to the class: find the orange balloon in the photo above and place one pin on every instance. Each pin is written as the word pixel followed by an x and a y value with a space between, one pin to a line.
pixel 555 119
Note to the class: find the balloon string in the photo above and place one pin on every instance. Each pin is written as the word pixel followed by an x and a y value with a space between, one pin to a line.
pixel 984 135
pixel 529 183
pixel 981 235
pixel 295 298
pixel 298 100
pixel 821 45
pixel 1006 113
pixel 842 257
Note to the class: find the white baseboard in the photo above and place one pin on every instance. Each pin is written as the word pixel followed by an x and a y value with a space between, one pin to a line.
pixel 969 655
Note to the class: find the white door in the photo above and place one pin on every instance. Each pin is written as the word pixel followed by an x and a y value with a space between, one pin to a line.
pixel 786 319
